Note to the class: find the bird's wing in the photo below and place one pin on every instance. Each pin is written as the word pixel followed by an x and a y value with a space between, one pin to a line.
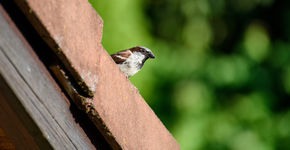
pixel 121 56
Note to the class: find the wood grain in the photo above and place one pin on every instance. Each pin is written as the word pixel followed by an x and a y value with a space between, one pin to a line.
pixel 33 111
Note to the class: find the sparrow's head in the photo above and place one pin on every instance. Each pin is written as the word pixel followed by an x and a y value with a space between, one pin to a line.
pixel 143 50
pixel 130 61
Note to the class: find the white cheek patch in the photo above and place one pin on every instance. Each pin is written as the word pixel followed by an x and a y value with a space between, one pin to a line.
pixel 136 57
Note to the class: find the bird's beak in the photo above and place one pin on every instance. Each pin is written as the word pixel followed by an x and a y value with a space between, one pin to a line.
pixel 151 55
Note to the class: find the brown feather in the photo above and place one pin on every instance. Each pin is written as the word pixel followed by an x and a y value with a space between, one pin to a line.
pixel 137 48
pixel 123 53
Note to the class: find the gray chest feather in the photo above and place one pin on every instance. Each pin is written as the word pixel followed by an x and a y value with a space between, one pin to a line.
pixel 133 64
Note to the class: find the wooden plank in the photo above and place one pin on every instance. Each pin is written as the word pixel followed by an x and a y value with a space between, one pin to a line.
pixel 72 28
pixel 12 124
pixel 69 28
pixel 40 108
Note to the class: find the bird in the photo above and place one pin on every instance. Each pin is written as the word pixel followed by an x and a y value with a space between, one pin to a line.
pixel 130 61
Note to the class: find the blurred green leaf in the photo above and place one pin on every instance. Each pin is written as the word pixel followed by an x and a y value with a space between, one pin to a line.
pixel 257 42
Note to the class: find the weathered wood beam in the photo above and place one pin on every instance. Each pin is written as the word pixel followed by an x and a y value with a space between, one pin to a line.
pixel 33 111
pixel 74 31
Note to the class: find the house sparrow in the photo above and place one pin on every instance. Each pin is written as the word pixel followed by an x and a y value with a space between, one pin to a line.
pixel 130 61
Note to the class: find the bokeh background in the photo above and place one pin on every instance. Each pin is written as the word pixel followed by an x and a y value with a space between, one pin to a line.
pixel 221 77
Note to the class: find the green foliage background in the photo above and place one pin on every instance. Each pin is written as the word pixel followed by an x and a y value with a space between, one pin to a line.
pixel 221 77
